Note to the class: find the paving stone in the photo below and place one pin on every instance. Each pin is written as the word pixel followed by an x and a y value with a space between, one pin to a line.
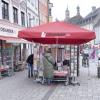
pixel 19 87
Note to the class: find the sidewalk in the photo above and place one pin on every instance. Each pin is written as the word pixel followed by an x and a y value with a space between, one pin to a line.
pixel 19 87
pixel 89 88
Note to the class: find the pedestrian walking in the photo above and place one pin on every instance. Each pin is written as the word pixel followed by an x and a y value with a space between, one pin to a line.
pixel 93 54
pixel 30 65
pixel 85 59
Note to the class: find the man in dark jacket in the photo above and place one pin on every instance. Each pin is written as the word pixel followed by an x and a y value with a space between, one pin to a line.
pixel 30 65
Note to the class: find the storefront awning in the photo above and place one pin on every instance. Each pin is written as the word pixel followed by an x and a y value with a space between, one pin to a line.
pixel 13 39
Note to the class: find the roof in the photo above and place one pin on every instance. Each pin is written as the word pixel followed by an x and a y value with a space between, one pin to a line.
pixel 98 23
pixel 76 19
pixel 95 13
pixel 91 17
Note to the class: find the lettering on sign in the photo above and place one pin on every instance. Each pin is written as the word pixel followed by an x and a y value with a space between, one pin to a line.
pixel 43 34
pixel 56 34
pixel 6 30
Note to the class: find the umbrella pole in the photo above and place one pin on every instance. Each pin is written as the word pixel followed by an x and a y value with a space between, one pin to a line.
pixel 56 49
pixel 56 54
pixel 78 60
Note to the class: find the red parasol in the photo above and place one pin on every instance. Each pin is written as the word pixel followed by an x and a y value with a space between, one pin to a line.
pixel 57 33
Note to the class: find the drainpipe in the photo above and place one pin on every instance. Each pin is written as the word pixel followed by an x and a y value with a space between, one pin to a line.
pixel 39 11
pixel 48 10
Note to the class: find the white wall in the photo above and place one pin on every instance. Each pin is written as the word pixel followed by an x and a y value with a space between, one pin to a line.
pixel 33 10
pixel 9 24
pixel 88 26
pixel 97 31
pixel 0 10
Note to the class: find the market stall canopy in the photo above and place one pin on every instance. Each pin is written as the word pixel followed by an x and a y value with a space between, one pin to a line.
pixel 57 33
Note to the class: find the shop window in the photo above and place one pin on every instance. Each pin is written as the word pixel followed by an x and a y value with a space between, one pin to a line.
pixel 23 18
pixel 5 10
pixel 6 53
pixel 15 15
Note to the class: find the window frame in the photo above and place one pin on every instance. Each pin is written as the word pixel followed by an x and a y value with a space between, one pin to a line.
pixel 22 18
pixel 15 15
pixel 5 10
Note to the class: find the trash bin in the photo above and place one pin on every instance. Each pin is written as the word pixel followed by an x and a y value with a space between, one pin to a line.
pixel 98 72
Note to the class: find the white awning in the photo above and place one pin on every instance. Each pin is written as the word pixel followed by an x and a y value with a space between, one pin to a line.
pixel 18 41
pixel 13 39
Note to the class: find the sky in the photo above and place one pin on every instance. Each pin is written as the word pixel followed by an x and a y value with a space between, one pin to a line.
pixel 59 7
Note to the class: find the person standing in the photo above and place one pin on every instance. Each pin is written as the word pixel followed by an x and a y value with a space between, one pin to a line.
pixel 30 65
pixel 48 63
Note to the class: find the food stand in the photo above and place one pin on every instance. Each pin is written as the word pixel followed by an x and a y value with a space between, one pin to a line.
pixel 60 33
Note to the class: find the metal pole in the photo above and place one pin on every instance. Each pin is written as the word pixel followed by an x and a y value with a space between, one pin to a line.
pixel 70 60
pixel 57 49
pixel 77 60
pixel 48 10
pixel 39 11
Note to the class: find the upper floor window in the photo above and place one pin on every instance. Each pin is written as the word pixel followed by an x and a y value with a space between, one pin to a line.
pixel 15 15
pixel 29 20
pixel 50 12
pixel 5 10
pixel 29 0
pixel 33 20
pixel 23 18
pixel 33 2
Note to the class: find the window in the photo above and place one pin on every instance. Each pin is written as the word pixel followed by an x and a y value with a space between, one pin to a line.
pixel 29 20
pixel 37 22
pixel 33 21
pixel 5 10
pixel 15 15
pixel 50 12
pixel 23 18
pixel 29 0
pixel 32 2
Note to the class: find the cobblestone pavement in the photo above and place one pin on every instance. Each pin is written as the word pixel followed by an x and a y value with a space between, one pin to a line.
pixel 19 87
pixel 89 88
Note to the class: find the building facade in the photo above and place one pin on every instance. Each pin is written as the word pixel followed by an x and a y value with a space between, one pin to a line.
pixel 43 11
pixel 91 22
pixel 16 15
pixel 75 19
pixel 32 13
pixel 50 11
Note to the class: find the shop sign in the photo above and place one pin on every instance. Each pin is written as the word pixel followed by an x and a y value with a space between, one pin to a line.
pixel 8 31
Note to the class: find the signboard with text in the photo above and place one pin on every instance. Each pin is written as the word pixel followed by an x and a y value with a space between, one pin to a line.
pixel 8 31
